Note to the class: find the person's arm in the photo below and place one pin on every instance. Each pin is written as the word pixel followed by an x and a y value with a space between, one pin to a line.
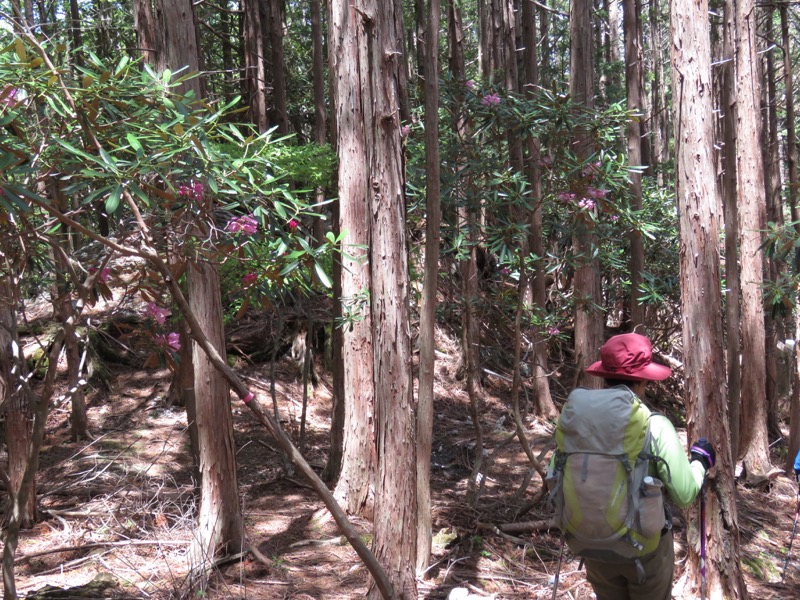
pixel 683 479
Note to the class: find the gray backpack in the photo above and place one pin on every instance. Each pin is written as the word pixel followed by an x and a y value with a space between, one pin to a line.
pixel 607 505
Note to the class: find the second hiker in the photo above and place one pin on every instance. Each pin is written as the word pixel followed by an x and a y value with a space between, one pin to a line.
pixel 614 460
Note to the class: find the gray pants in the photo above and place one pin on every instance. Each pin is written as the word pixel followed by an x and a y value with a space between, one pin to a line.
pixel 611 581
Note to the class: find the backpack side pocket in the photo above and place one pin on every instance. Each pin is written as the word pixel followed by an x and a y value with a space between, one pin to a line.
pixel 651 514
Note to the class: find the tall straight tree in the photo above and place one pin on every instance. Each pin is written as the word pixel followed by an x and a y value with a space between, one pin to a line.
pixel 699 208
pixel 395 407
pixel 538 286
pixel 777 374
pixel 634 82
pixel 219 519
pixel 278 63
pixel 254 81
pixel 367 68
pixel 588 295
pixel 144 23
pixel 727 94
pixel 658 114
pixel 352 103
pixel 793 187
pixel 427 325
pixel 751 203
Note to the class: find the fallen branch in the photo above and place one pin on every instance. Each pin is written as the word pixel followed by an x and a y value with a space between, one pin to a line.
pixel 521 527
pixel 94 545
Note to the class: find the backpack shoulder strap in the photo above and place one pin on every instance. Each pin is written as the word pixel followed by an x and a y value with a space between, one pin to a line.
pixel 653 449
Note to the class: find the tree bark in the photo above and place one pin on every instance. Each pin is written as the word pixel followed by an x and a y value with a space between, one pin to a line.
pixel 395 406
pixel 729 196
pixel 278 62
pixel 589 317
pixel 18 416
pixel 352 103
pixel 219 520
pixel 634 81
pixel 699 206
pixel 178 46
pixel 144 23
pixel 751 204
pixel 792 192
pixel 545 407
pixel 254 74
pixel 427 325
pixel 777 372
pixel 658 110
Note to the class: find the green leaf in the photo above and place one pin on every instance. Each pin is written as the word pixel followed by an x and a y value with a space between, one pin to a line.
pixel 112 202
pixel 122 64
pixel 166 75
pixel 79 152
pixel 134 142
pixel 140 193
pixel 304 245
pixel 19 48
pixel 101 192
pixel 15 193
pixel 323 276
pixel 290 267
pixel 109 160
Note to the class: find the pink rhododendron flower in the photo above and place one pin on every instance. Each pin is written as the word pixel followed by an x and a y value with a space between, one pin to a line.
pixel 592 169
pixel 156 312
pixel 586 203
pixel 615 217
pixel 293 224
pixel 505 270
pixel 470 84
pixel 553 331
pixel 405 130
pixel 9 95
pixel 596 193
pixel 566 196
pixel 491 100
pixel 171 341
pixel 249 278
pixel 246 224
pixel 193 190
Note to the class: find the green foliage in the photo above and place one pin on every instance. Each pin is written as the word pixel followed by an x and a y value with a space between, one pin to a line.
pixel 575 195
pixel 119 142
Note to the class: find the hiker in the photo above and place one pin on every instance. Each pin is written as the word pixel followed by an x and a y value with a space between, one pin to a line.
pixel 626 544
pixel 797 467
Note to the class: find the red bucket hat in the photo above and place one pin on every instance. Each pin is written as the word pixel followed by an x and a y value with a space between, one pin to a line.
pixel 629 357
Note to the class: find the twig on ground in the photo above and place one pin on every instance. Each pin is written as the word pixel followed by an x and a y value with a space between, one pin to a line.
pixel 266 445
pixel 474 588
pixel 497 531
pixel 20 559
pixel 491 577
pixel 258 555
pixel 70 564
pixel 524 526
pixel 339 540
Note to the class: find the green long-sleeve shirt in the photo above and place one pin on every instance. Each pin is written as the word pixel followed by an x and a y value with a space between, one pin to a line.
pixel 683 479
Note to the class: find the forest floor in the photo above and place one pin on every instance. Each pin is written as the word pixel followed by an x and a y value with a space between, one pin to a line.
pixel 118 510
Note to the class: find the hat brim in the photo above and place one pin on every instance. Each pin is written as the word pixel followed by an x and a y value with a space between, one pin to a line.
pixel 651 372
